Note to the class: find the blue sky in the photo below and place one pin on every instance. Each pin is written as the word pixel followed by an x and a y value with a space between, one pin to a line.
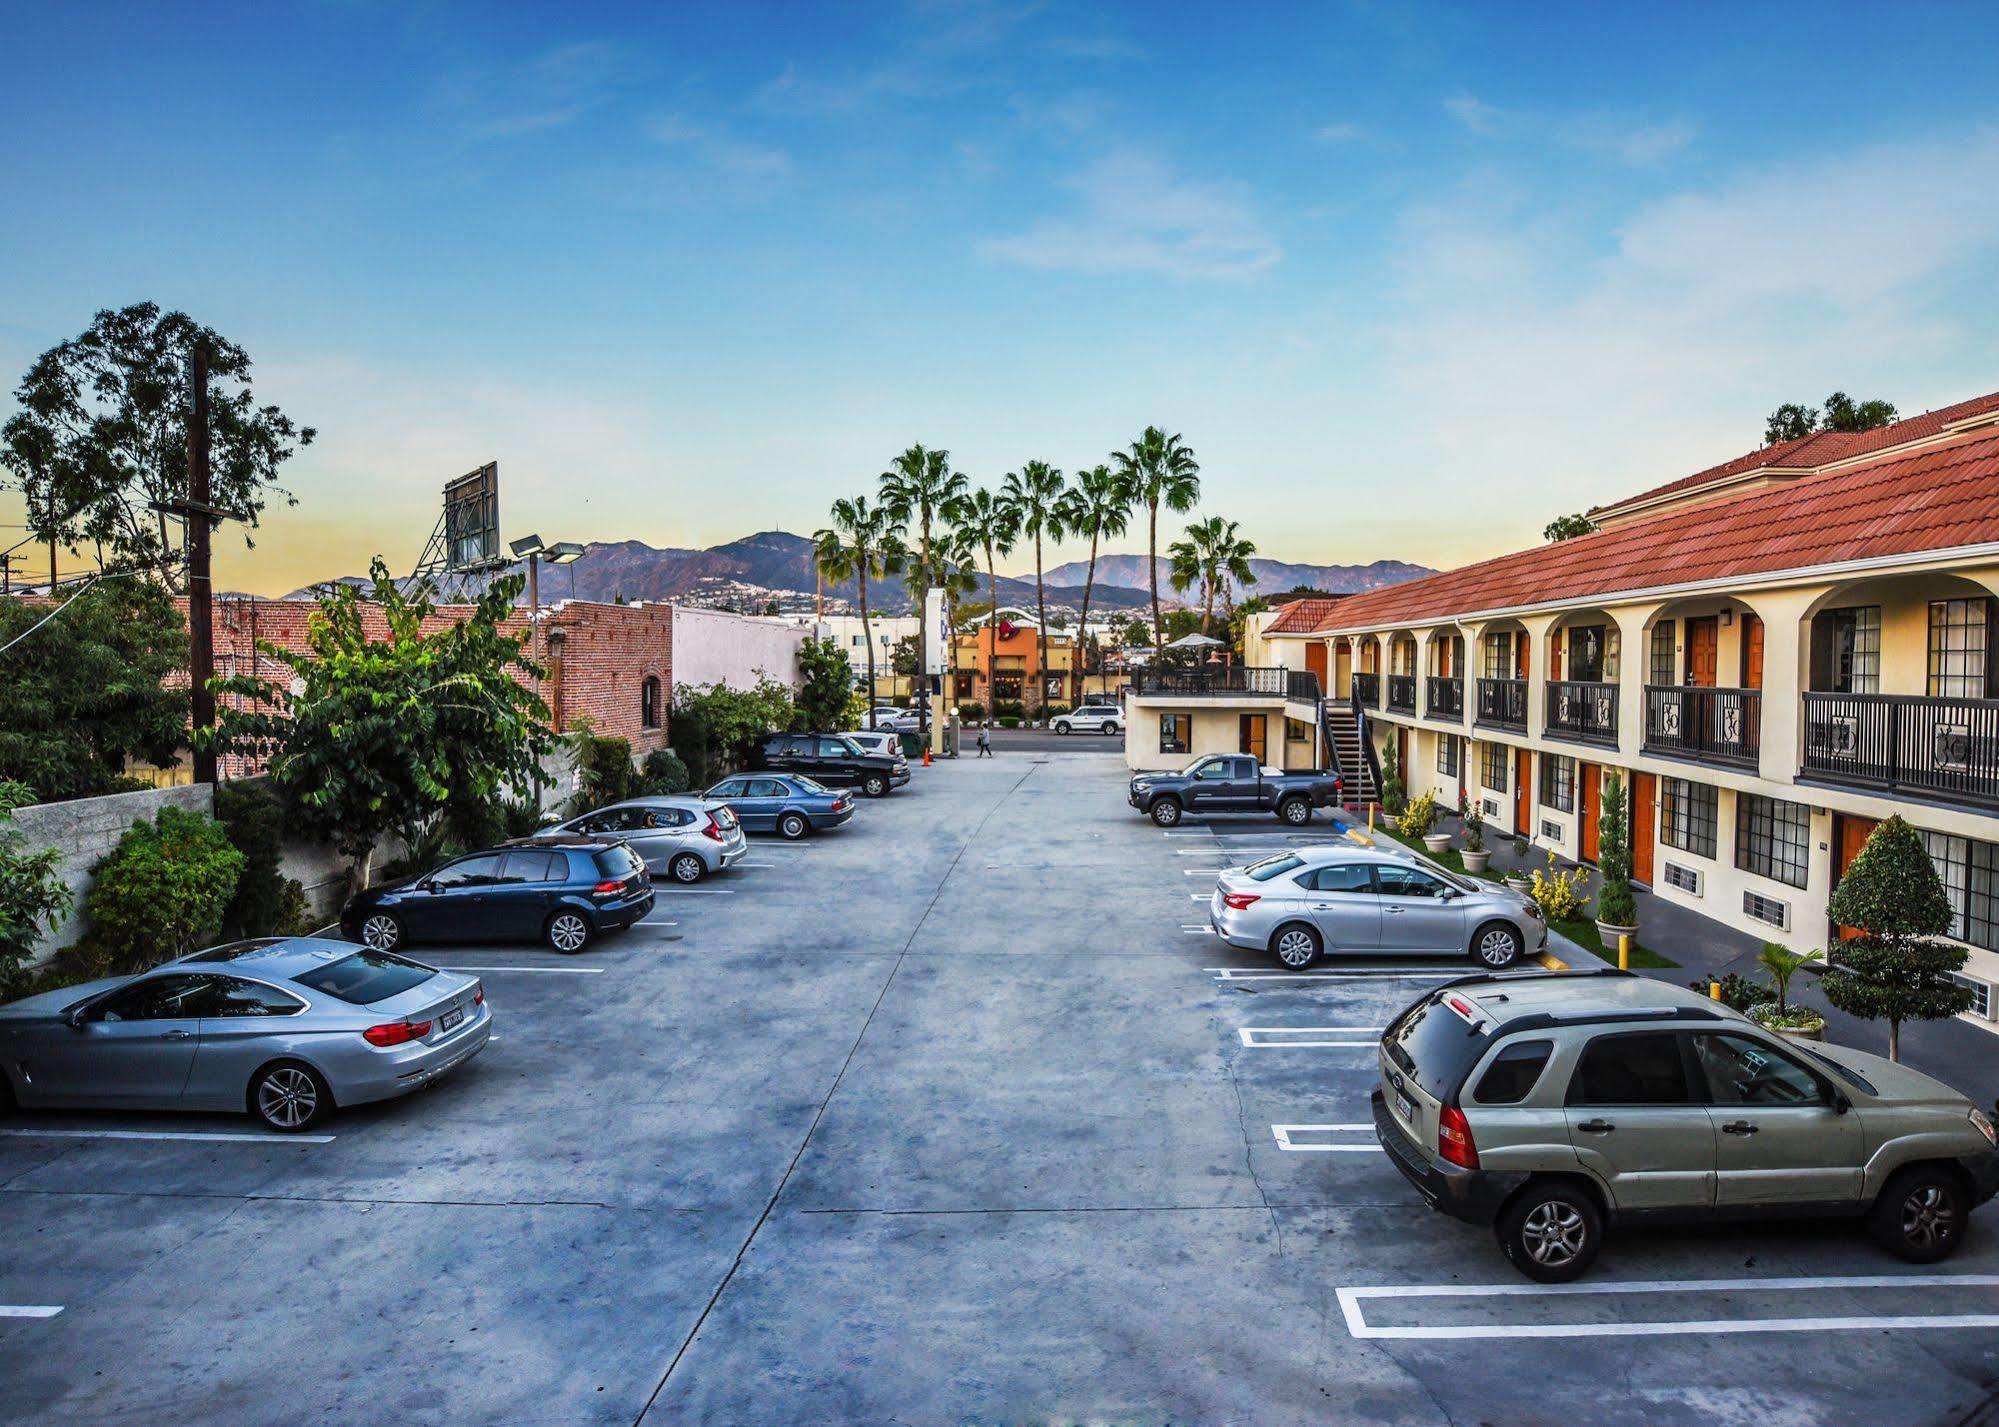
pixel 1411 279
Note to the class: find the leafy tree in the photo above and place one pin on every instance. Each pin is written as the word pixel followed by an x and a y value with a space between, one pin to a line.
pixel 990 522
pixel 664 774
pixel 33 896
pixel 1894 970
pixel 1158 470
pixel 1615 902
pixel 1211 556
pixel 380 734
pixel 101 433
pixel 1793 420
pixel 902 658
pixel 1239 618
pixel 1392 792
pixel 864 542
pixel 713 727
pixel 162 891
pixel 958 574
pixel 604 773
pixel 1035 493
pixel 826 685
pixel 91 688
pixel 1134 633
pixel 1567 527
pixel 918 490
pixel 1097 504
pixel 265 901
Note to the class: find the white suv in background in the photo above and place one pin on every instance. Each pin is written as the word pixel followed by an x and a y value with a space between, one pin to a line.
pixel 1091 718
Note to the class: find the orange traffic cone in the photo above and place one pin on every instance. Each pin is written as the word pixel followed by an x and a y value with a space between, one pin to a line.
pixel 926 756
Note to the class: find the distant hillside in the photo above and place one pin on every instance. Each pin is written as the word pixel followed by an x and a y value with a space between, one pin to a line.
pixel 1272 576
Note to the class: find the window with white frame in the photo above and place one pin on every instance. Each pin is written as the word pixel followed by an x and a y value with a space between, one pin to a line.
pixel 1447 755
pixel 1970 872
pixel 1558 782
pixel 1492 766
pixel 1958 630
pixel 1665 646
pixel 1687 815
pixel 1773 838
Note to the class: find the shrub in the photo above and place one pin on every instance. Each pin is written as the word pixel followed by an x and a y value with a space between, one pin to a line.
pixel 470 823
pixel 520 816
pixel 664 773
pixel 1392 792
pixel 1559 894
pixel 1615 903
pixel 1010 708
pixel 971 713
pixel 1009 721
pixel 1055 710
pixel 1738 993
pixel 1782 963
pixel 1419 819
pixel 1474 821
pixel 162 891
pixel 266 902
pixel 32 894
pixel 603 769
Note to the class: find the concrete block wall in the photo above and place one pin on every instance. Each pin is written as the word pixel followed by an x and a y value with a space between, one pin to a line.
pixel 86 829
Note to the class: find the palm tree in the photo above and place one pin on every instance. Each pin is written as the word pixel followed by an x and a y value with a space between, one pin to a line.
pixel 993 525
pixel 864 542
pixel 1212 555
pixel 1097 503
pixel 915 490
pixel 958 575
pixel 1035 493
pixel 1158 470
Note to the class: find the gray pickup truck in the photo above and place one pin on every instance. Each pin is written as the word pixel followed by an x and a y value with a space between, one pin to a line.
pixel 1233 783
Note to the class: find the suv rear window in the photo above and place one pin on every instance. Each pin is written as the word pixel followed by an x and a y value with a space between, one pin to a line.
pixel 618 862
pixel 1511 1076
pixel 1435 1046
pixel 365 977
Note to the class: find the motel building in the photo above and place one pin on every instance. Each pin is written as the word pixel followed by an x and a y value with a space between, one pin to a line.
pixel 1776 653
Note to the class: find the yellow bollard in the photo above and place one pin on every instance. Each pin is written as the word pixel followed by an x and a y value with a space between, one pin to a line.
pixel 1624 951
pixel 1370 819
pixel 1714 990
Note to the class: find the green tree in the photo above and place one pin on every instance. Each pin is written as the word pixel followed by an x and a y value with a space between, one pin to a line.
pixel 1392 793
pixel 1098 504
pixel 91 688
pixel 1239 618
pixel 918 490
pixel 101 434
pixel 1212 556
pixel 1894 970
pixel 958 573
pixel 713 727
pixel 1793 420
pixel 826 685
pixel 33 896
pixel 380 734
pixel 1035 493
pixel 990 522
pixel 864 542
pixel 1567 527
pixel 1615 902
pixel 265 901
pixel 1158 470
pixel 162 891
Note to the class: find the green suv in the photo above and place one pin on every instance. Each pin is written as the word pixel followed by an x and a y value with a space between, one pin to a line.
pixel 1551 1104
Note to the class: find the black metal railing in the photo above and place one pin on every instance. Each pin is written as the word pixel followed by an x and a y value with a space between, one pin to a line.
pixel 1940 748
pixel 1706 725
pixel 1445 697
pixel 1582 711
pixel 1302 686
pixel 1502 703
pixel 1367 690
pixel 1402 693
pixel 1214 682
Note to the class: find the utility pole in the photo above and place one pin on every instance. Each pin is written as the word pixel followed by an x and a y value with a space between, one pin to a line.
pixel 7 573
pixel 200 590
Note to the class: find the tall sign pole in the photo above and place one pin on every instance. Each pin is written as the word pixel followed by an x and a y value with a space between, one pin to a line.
pixel 200 590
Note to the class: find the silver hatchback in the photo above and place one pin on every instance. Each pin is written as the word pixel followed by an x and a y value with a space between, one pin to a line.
pixel 1357 900
pixel 682 838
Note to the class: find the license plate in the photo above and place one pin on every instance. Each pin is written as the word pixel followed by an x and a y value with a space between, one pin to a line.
pixel 450 1018
pixel 1406 1106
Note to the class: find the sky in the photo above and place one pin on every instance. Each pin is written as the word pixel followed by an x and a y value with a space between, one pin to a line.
pixel 1410 279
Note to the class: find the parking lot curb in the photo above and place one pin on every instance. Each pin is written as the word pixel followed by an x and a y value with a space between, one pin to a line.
pixel 1553 962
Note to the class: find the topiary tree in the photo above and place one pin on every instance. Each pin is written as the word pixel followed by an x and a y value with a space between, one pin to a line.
pixel 162 890
pixel 1392 793
pixel 1894 970
pixel 1615 902
pixel 664 773
pixel 32 892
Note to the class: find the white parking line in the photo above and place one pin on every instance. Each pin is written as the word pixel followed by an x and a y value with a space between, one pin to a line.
pixel 1205 871
pixel 28 1310
pixel 661 922
pixel 756 864
pixel 217 1137
pixel 1229 973
pixel 1283 1134
pixel 1351 1300
pixel 1287 1037
pixel 701 892
pixel 536 970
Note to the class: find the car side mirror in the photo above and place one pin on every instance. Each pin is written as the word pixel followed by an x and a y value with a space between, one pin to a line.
pixel 76 1018
pixel 1835 1099
pixel 1450 894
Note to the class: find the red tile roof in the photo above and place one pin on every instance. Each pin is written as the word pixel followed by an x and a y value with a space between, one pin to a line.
pixel 1940 497
pixel 1302 616
pixel 1821 448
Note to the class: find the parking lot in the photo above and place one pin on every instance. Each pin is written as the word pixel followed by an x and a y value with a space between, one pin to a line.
pixel 957 1114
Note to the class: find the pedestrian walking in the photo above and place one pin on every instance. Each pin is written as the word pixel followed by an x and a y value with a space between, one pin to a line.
pixel 985 738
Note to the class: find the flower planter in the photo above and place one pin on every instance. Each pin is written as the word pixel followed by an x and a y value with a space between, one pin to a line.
pixel 1522 885
pixel 1438 843
pixel 1812 1031
pixel 1477 861
pixel 1611 931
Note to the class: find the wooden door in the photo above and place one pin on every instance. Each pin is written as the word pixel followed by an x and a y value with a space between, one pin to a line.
pixel 1555 656
pixel 1644 798
pixel 1752 652
pixel 1703 641
pixel 1849 835
pixel 1254 735
pixel 1315 663
pixel 1520 655
pixel 1402 755
pixel 1589 805
pixel 1523 792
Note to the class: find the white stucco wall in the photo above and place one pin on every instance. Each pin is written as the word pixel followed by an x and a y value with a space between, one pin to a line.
pixel 712 646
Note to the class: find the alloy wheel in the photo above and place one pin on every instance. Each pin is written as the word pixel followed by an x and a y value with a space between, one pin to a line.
pixel 287 1097
pixel 792 826
pixel 1929 1219
pixel 568 932
pixel 381 932
pixel 1498 947
pixel 1553 1233
pixel 1295 949
pixel 687 868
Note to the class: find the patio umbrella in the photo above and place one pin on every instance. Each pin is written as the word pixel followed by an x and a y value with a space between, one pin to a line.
pixel 1196 641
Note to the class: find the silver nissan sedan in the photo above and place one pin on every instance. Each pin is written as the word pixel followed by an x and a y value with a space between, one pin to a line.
pixel 283 1028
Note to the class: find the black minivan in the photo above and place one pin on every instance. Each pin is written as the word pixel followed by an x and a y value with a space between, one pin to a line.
pixel 826 757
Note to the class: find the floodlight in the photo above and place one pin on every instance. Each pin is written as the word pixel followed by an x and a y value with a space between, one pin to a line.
pixel 525 546
pixel 562 552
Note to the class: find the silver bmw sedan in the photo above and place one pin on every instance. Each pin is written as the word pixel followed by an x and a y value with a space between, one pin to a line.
pixel 284 1028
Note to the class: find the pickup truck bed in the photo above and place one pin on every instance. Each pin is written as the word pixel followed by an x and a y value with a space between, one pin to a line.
pixel 1233 783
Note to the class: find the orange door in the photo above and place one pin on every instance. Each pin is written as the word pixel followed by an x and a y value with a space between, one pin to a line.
pixel 1590 805
pixel 1523 792
pixel 1849 835
pixel 1520 642
pixel 1644 792
pixel 1315 663
pixel 1752 652
pixel 1253 734
pixel 1703 638
pixel 1555 656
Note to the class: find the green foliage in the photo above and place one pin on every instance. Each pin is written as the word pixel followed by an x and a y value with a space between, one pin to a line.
pixel 827 684
pixel 1615 902
pixel 1894 970
pixel 1157 470
pixel 1782 963
pixel 1009 721
pixel 1793 420
pixel 1010 708
pixel 971 713
pixel 1560 895
pixel 1892 890
pixel 1055 710
pixel 663 774
pixel 1473 817
pixel 33 896
pixel 1738 993
pixel 162 892
pixel 265 902
pixel 90 689
pixel 1567 527
pixel 902 658
pixel 714 727
pixel 1392 792
pixel 604 772
pixel 1214 557
pixel 384 732
pixel 1419 819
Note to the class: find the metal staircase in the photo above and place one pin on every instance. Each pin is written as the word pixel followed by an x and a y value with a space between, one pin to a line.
pixel 1352 752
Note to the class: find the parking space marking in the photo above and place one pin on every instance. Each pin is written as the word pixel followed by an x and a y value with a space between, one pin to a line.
pixel 1351 1300
pixel 28 1310
pixel 1284 1133
pixel 1229 973
pixel 766 865
pixel 206 1137
pixel 662 922
pixel 703 892
pixel 536 970
pixel 1288 1037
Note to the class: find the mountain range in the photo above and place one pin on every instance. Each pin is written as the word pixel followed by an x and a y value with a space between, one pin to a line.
pixel 777 565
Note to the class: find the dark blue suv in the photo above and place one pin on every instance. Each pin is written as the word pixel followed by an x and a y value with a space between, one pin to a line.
pixel 562 891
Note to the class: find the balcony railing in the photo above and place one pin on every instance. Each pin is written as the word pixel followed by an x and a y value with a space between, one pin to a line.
pixel 1946 749
pixel 1502 703
pixel 1582 712
pixel 1301 686
pixel 1446 697
pixel 1367 690
pixel 1402 693
pixel 1215 683
pixel 1722 726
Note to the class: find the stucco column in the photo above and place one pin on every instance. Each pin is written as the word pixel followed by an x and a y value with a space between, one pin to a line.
pixel 1786 674
pixel 1633 653
pixel 1537 626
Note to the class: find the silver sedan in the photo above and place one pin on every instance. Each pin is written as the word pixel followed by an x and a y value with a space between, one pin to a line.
pixel 284 1029
pixel 1352 899
pixel 682 837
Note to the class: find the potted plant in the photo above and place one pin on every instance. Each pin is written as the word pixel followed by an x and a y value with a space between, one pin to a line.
pixel 1419 820
pixel 1559 894
pixel 1392 792
pixel 1518 877
pixel 1476 857
pixel 1780 1015
pixel 1616 905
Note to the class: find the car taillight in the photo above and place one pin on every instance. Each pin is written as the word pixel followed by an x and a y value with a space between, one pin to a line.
pixel 609 887
pixel 396 1033
pixel 1240 901
pixel 478 995
pixel 1454 1141
pixel 714 829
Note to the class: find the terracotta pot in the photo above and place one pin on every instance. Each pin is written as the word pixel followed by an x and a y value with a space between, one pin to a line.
pixel 1477 861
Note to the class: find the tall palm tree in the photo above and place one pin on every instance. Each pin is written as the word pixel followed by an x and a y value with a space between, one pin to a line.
pixel 915 490
pixel 1158 470
pixel 989 522
pixel 958 576
pixel 1212 556
pixel 1035 493
pixel 1097 503
pixel 863 542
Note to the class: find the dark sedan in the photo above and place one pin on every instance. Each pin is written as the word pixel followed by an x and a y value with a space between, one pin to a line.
pixel 560 890
pixel 790 806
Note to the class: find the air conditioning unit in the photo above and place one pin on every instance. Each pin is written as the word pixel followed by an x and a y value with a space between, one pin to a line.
pixel 1684 879
pixel 1491 806
pixel 1768 910
pixel 1551 829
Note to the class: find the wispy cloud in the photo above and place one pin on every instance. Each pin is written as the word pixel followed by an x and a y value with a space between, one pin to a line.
pixel 713 146
pixel 1637 144
pixel 1338 133
pixel 1474 113
pixel 549 91
pixel 1134 215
